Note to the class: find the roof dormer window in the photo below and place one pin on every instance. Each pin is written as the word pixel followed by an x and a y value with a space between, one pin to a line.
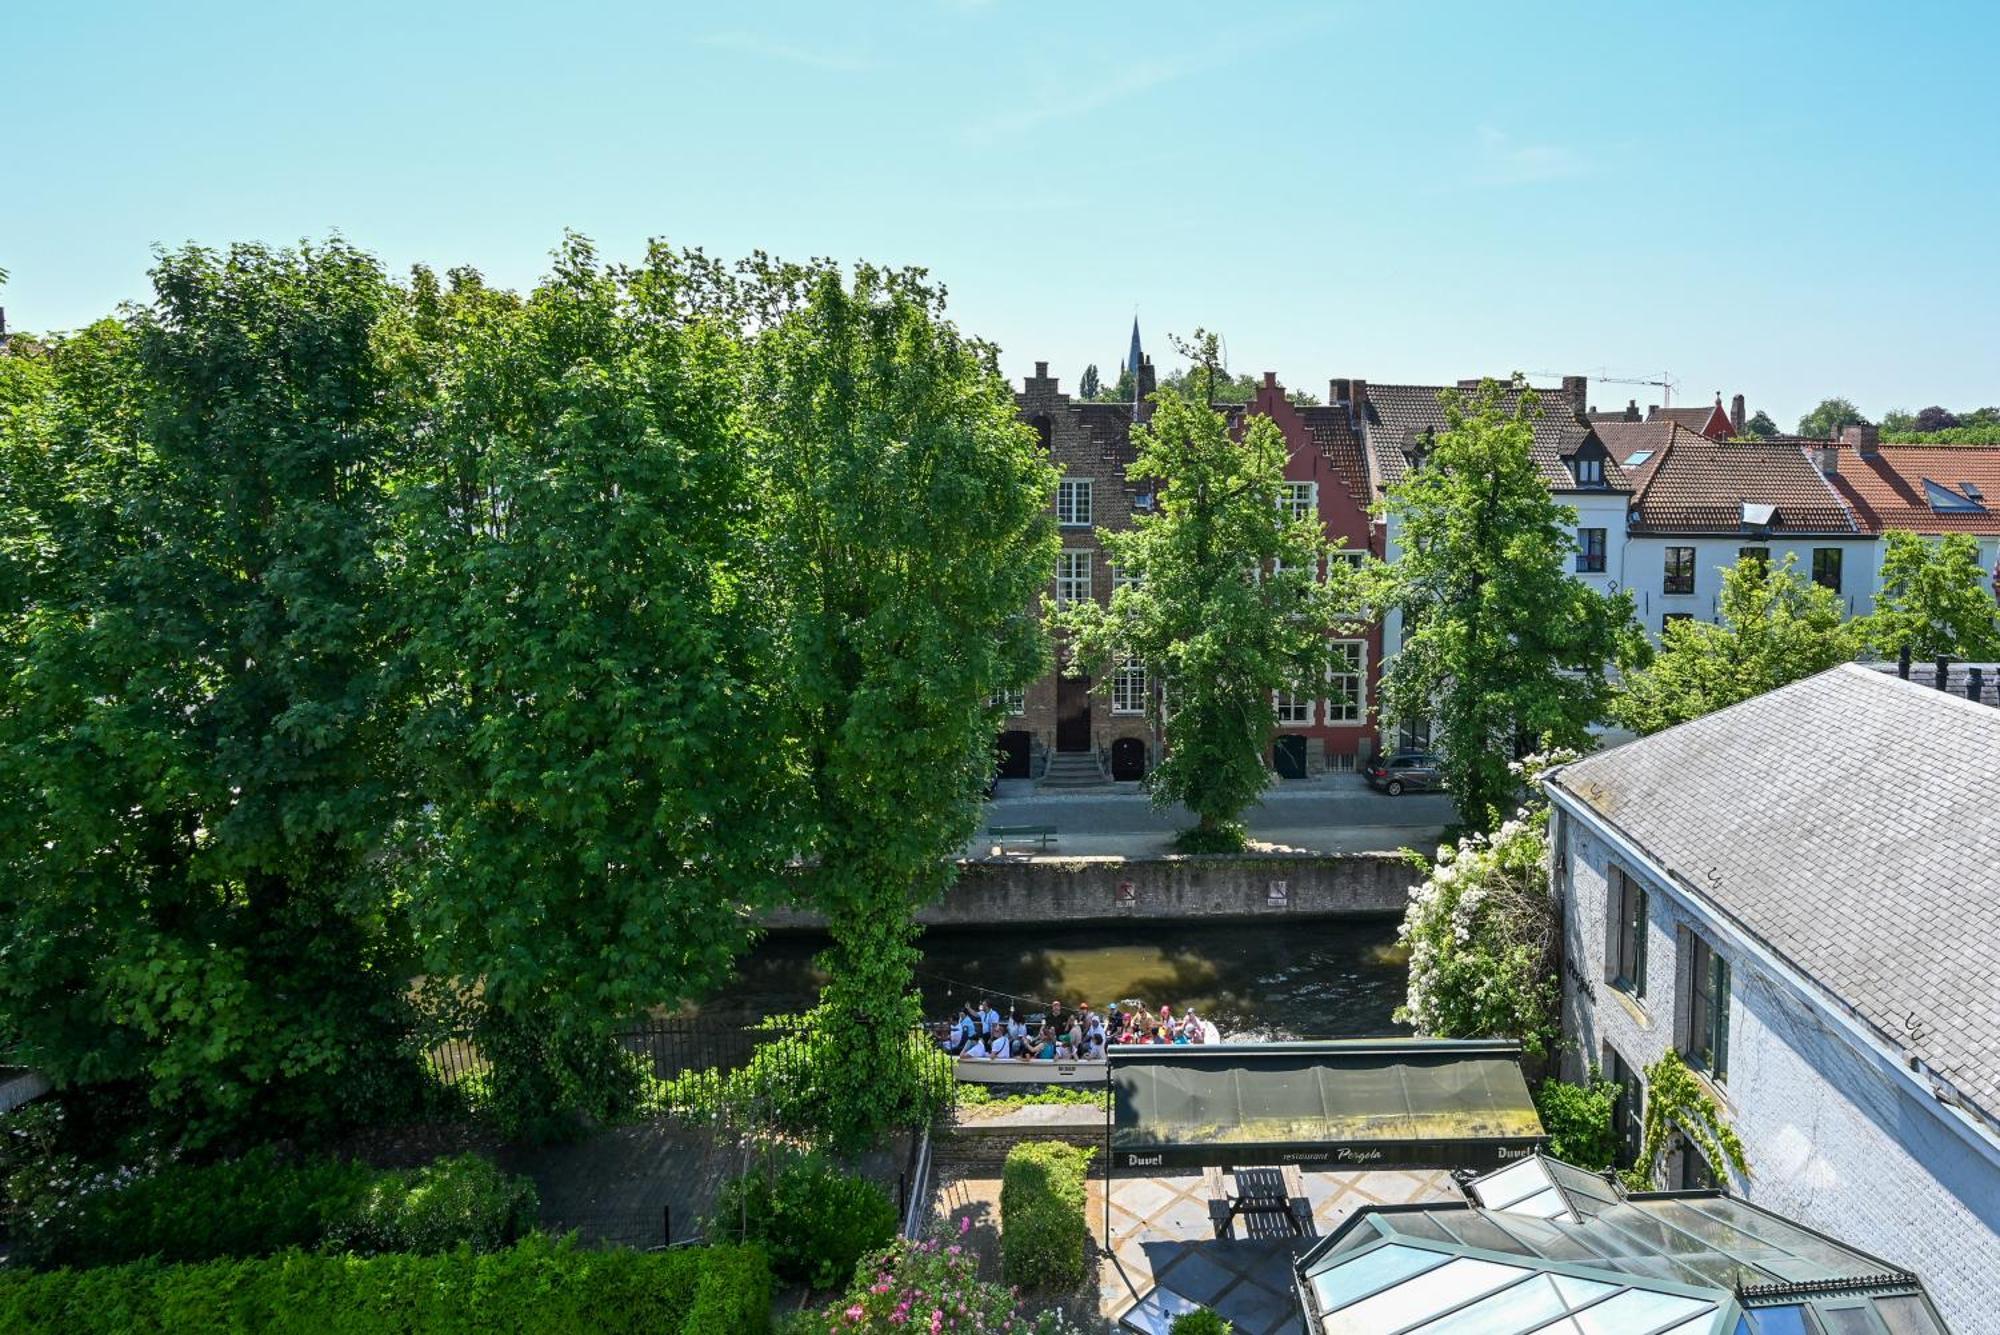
pixel 1588 470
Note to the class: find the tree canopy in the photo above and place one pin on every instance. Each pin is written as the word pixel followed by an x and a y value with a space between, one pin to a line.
pixel 1829 417
pixel 200 732
pixel 1760 425
pixel 1936 599
pixel 906 529
pixel 1220 601
pixel 1775 627
pixel 1500 645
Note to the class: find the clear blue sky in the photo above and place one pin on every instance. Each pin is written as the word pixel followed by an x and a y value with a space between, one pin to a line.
pixel 1792 202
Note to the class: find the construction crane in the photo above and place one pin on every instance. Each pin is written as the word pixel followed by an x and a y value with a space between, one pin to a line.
pixel 1665 384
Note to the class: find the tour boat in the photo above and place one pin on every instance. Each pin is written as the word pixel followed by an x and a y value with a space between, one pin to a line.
pixel 1013 1071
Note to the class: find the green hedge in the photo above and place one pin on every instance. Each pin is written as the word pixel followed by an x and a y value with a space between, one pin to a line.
pixel 1042 1229
pixel 258 1205
pixel 540 1284
pixel 814 1220
pixel 1201 1321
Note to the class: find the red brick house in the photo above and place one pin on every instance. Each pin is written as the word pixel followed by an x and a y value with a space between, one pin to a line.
pixel 1324 469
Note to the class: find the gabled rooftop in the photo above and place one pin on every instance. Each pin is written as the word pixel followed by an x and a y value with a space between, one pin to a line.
pixel 1399 418
pixel 1921 488
pixel 1691 484
pixel 1879 887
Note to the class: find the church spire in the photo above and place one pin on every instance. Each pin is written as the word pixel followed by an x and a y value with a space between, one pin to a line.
pixel 1136 357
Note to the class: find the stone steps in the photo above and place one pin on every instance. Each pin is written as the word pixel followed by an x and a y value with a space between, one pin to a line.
pixel 1073 769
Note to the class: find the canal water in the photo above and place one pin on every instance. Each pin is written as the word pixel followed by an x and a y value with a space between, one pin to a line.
pixel 1329 978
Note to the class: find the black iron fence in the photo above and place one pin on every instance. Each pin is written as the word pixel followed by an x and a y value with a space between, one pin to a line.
pixel 674 1048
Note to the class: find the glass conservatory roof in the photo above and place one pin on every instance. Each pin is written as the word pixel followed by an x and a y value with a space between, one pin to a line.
pixel 1543 1247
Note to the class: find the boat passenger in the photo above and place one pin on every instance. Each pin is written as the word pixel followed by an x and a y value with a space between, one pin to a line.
pixel 976 1049
pixel 999 1046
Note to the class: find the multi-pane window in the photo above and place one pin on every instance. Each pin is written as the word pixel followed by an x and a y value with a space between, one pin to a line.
pixel 1680 570
pixel 1073 502
pixel 1299 500
pixel 1627 955
pixel 1761 555
pixel 1073 577
pixel 1128 688
pixel 1590 550
pixel 1707 1046
pixel 1589 472
pixel 1348 681
pixel 1696 1172
pixel 1628 1108
pixel 1294 710
pixel 1122 578
pixel 1013 702
pixel 1826 567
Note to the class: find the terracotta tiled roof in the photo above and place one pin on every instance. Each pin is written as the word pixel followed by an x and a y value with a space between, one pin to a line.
pixel 1698 485
pixel 1637 446
pixel 1694 419
pixel 1397 414
pixel 1334 435
pixel 1887 489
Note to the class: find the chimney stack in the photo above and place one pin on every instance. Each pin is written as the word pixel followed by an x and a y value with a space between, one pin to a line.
pixel 1357 403
pixel 1469 384
pixel 1631 410
pixel 1864 437
pixel 1337 391
pixel 1827 459
pixel 1577 387
pixel 1041 370
pixel 1148 382
pixel 1736 418
pixel 1270 380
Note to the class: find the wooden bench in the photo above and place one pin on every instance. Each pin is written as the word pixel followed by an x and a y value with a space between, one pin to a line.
pixel 1261 1192
pixel 1021 834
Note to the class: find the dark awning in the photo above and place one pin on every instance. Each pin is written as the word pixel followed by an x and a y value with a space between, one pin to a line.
pixel 1376 1103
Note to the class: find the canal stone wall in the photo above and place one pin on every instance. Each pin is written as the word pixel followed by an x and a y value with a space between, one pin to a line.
pixel 1025 891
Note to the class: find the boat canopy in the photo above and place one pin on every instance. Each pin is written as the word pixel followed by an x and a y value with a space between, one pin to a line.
pixel 1362 1103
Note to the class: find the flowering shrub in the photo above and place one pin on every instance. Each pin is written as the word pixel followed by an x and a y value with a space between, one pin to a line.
pixel 928 1288
pixel 813 1220
pixel 1482 935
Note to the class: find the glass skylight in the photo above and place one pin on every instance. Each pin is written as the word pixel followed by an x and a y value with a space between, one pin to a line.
pixel 1758 515
pixel 1945 501
pixel 1637 458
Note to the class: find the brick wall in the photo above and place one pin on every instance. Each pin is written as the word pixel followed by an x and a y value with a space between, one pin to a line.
pixel 1086 441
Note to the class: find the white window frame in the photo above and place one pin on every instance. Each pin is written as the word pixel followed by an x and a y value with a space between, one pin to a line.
pixel 1073 576
pixel 1069 492
pixel 1014 703
pixel 1120 579
pixel 1354 708
pixel 1297 505
pixel 1293 711
pixel 1128 688
pixel 1588 472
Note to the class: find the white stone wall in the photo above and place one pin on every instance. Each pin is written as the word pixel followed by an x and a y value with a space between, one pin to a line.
pixel 1833 1139
pixel 1646 563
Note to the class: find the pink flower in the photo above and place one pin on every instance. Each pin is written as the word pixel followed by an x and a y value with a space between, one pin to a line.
pixel 854 1312
pixel 937 1320
pixel 953 1250
pixel 964 1224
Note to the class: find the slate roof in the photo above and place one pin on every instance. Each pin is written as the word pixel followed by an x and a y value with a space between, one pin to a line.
pixel 1692 484
pixel 1849 823
pixel 1887 490
pixel 1395 414
pixel 1333 433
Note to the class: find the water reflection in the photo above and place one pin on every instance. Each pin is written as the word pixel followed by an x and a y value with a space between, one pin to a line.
pixel 1326 979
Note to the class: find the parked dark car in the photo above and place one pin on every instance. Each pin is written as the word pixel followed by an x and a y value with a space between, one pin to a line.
pixel 1418 771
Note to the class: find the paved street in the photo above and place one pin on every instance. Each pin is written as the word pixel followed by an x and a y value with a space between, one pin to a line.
pixel 1337 814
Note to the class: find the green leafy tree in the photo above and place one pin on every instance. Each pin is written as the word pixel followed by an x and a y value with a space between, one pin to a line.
pixel 198 736
pixel 1089 386
pixel 1760 426
pixel 1936 599
pixel 906 523
pixel 1224 607
pixel 1897 419
pixel 1935 418
pixel 1194 381
pixel 1122 390
pixel 599 736
pixel 1775 627
pixel 1829 417
pixel 1500 645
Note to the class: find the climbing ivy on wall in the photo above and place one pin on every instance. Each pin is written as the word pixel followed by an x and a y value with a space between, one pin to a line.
pixel 1676 1101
